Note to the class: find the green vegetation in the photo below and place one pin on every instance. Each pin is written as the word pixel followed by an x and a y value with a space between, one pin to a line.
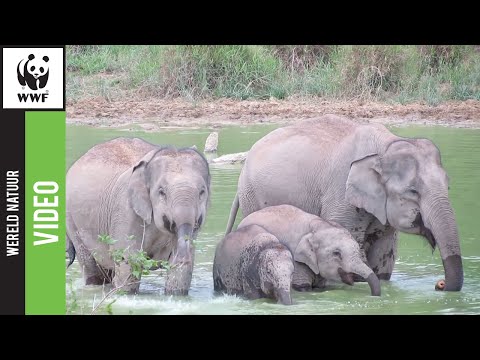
pixel 431 73
pixel 140 263
pixel 72 302
pixel 138 260
pixel 106 239
pixel 108 308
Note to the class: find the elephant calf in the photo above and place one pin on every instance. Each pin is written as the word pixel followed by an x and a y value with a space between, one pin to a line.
pixel 253 263
pixel 362 176
pixel 151 201
pixel 322 250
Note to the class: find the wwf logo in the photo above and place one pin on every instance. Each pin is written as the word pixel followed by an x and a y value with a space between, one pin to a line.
pixel 39 82
pixel 33 72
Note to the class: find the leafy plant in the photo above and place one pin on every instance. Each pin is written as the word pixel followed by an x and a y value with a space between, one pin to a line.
pixel 106 239
pixel 164 264
pixel 140 263
pixel 72 305
pixel 117 255
pixel 108 307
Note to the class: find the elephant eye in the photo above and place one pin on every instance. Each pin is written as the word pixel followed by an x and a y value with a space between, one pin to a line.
pixel 202 192
pixel 162 192
pixel 337 253
pixel 413 191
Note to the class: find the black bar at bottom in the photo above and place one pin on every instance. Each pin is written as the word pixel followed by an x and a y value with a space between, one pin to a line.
pixel 12 212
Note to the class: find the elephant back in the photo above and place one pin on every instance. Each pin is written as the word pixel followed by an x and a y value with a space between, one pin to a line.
pixel 120 153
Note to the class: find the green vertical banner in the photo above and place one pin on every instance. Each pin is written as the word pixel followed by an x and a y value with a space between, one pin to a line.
pixel 45 212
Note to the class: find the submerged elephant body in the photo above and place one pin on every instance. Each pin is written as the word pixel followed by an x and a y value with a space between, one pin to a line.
pixel 145 198
pixel 322 250
pixel 363 177
pixel 253 263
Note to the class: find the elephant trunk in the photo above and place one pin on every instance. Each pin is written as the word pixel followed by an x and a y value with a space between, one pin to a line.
pixel 183 223
pixel 438 225
pixel 374 284
pixel 283 297
pixel 184 212
pixel 182 252
pixel 179 276
pixel 365 272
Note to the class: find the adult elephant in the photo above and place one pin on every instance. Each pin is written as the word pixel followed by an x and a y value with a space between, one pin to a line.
pixel 361 176
pixel 145 201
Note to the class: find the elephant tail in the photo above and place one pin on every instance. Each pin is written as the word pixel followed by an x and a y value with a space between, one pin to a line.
pixel 233 215
pixel 71 252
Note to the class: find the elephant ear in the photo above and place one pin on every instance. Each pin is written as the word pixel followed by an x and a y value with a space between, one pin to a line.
pixel 305 253
pixel 138 190
pixel 364 188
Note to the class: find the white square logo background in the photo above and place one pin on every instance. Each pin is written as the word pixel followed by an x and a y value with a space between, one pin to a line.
pixel 11 86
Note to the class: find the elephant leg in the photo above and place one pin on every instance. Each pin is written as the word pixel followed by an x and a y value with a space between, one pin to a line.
pixel 382 253
pixel 124 279
pixel 107 274
pixel 92 272
pixel 250 291
pixel 303 277
pixel 319 282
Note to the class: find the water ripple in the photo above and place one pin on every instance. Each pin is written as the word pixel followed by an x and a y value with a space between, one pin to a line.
pixel 410 291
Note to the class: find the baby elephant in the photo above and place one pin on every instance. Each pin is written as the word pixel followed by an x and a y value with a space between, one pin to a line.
pixel 253 263
pixel 322 250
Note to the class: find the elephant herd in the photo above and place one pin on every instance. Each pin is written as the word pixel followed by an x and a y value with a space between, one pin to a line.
pixel 321 200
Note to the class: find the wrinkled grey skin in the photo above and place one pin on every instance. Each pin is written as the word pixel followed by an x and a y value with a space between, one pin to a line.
pixel 253 263
pixel 363 177
pixel 143 196
pixel 322 250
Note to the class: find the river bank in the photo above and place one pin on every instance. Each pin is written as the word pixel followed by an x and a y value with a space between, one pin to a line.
pixel 154 114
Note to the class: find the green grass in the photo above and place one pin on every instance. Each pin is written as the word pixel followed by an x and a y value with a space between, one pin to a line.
pixel 386 73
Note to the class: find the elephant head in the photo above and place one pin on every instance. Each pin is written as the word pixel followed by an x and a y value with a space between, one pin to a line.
pixel 331 252
pixel 275 272
pixel 170 189
pixel 407 188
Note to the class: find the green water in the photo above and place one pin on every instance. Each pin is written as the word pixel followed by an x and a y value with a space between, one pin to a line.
pixel 410 291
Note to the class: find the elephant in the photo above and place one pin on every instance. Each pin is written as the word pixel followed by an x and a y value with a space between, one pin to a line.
pixel 322 250
pixel 143 200
pixel 361 176
pixel 253 263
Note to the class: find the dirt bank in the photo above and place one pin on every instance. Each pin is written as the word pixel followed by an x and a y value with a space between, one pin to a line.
pixel 154 113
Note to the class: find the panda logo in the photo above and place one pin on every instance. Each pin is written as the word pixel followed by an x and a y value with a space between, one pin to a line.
pixel 33 72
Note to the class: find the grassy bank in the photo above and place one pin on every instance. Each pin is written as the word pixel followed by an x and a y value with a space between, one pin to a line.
pixel 402 74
